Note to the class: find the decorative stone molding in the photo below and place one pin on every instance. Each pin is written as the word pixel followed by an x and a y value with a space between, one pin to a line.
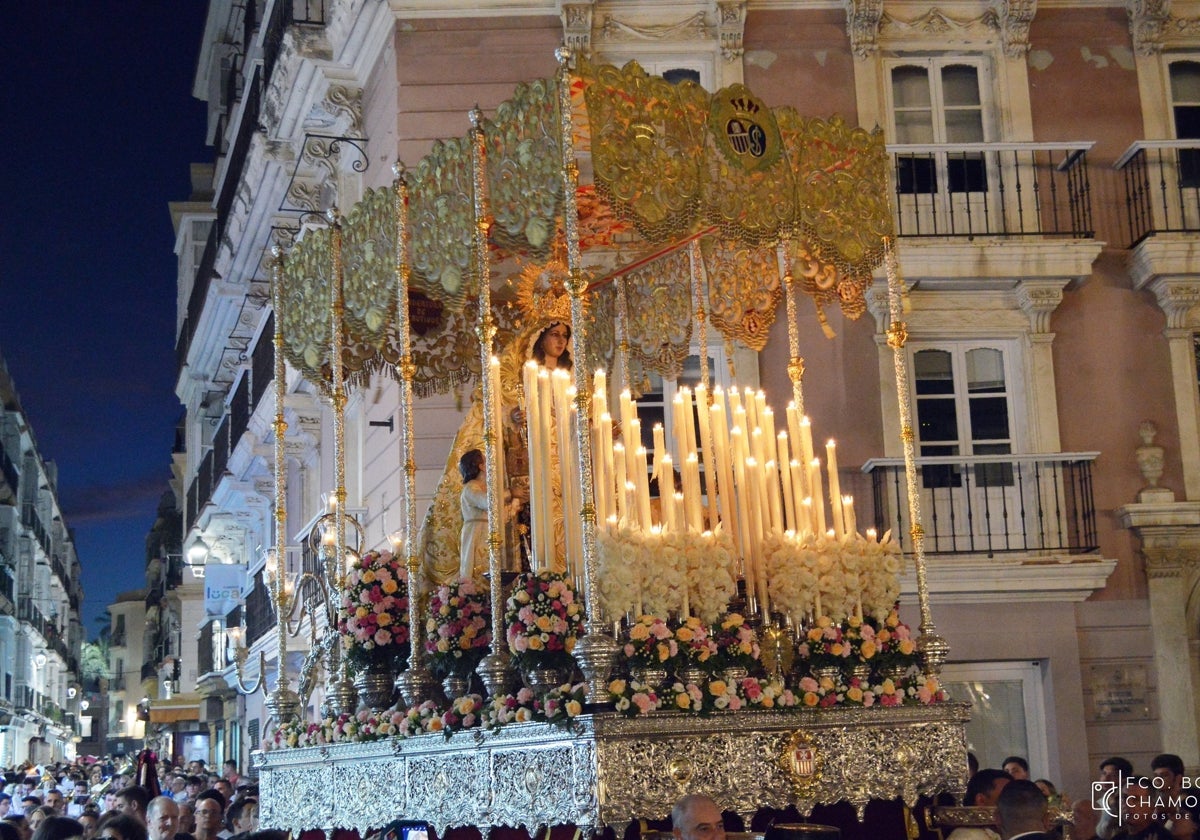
pixel 345 104
pixel 862 24
pixel 936 23
pixel 1176 296
pixel 731 23
pixel 1170 562
pixel 1015 17
pixel 1038 299
pixel 694 26
pixel 577 26
pixel 1147 24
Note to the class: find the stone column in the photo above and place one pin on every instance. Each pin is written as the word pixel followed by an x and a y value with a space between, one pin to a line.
pixel 1170 545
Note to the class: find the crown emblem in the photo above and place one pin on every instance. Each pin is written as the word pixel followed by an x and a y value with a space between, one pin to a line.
pixel 745 105
pixel 541 290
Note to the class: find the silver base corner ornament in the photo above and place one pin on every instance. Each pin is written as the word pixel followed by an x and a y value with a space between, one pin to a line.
pixel 596 653
pixel 416 685
pixel 495 670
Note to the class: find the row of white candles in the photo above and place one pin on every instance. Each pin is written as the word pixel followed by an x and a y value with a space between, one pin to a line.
pixel 746 487
pixel 747 490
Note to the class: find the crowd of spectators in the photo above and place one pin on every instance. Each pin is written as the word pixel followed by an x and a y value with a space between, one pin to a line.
pixel 97 800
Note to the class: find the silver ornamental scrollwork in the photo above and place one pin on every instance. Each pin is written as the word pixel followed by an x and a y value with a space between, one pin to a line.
pixel 608 769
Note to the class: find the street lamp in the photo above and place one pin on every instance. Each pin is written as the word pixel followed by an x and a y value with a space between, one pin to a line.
pixel 197 556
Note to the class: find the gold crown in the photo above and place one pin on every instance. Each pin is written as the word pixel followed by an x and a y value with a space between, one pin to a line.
pixel 744 105
pixel 542 289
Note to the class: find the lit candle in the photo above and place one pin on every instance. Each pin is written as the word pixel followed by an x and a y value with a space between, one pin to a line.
pixel 643 487
pixel 691 486
pixel 756 530
pixel 704 416
pixel 666 494
pixel 533 431
pixel 618 457
pixel 806 451
pixel 606 454
pixel 785 476
pixel 871 534
pixel 835 495
pixel 723 466
pixel 627 413
pixel 776 513
pixel 848 516
pixel 546 459
pixel 741 499
pixel 660 446
pixel 814 480
pixel 805 511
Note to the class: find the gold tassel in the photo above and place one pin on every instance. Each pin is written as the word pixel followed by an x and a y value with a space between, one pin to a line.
pixel 910 824
pixel 825 328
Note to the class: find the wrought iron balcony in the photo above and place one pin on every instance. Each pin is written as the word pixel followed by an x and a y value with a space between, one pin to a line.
pixel 1162 187
pixel 8 478
pixel 991 504
pixel 992 189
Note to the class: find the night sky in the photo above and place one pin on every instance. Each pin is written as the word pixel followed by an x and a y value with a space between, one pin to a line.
pixel 99 128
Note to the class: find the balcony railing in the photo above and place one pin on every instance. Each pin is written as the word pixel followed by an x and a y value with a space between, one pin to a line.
pixel 1162 187
pixel 991 504
pixel 285 13
pixel 992 189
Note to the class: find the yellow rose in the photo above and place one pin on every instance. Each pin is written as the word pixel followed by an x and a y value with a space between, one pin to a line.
pixel 384 619
pixel 543 623
pixel 768 701
pixel 435 725
pixel 465 643
pixel 569 643
pixel 682 700
pixel 717 688
pixel 390 586
pixel 854 693
pixel 524 715
pixel 617 687
pixel 361 612
pixel 535 642
pixel 826 683
pixel 368 576
pixel 814 635
pixel 664 652
pixel 811 699
pixel 868 649
pixel 893 619
pixel 836 648
pixel 638 632
pixel 574 709
pixel 887 686
pixel 907 646
pixel 684 634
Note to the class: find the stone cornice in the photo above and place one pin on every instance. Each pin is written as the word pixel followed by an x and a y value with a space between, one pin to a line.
pixel 977 580
pixel 1167 517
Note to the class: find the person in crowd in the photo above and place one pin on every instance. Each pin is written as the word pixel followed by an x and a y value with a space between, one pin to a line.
pixel 982 791
pixel 162 819
pixel 20 825
pixel 5 805
pixel 1112 771
pixel 58 828
pixel 1085 819
pixel 1021 811
pixel 972 764
pixel 30 802
pixel 1180 821
pixel 1047 788
pixel 132 800
pixel 109 803
pixel 697 817
pixel 210 811
pixel 8 831
pixel 116 825
pixel 35 817
pixel 88 819
pixel 1017 767
pixel 176 788
pixel 230 772
pixel 187 818
pixel 1139 813
pixel 242 817
pixel 55 800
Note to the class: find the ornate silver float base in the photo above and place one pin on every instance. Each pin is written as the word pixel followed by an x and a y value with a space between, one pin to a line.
pixel 608 769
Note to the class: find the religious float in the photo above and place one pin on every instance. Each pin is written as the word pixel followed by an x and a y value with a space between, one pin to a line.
pixel 736 631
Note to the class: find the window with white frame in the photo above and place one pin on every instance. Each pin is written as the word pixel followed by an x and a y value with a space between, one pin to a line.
pixel 938 101
pixel 963 408
pixel 1185 116
pixel 1008 714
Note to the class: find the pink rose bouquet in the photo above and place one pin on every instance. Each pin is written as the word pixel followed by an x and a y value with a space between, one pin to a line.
pixel 373 619
pixel 543 618
pixel 459 627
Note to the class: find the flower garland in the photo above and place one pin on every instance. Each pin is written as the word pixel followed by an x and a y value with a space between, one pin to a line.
pixel 559 705
pixel 633 698
pixel 696 647
pixel 458 627
pixel 373 620
pixel 912 690
pixel 543 619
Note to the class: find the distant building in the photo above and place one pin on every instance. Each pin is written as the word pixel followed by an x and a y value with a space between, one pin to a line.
pixel 1055 306
pixel 40 598
pixel 126 641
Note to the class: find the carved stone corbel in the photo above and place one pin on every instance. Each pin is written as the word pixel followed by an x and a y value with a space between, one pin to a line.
pixel 1147 24
pixel 731 27
pixel 1176 296
pixel 1038 299
pixel 1015 17
pixel 862 24
pixel 577 25
pixel 1169 562
pixel 345 103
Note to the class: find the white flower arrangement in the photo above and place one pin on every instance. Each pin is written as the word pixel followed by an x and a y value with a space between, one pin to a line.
pixel 619 567
pixel 833 577
pixel 709 564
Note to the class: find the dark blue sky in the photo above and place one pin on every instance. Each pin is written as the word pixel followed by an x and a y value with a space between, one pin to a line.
pixel 99 127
